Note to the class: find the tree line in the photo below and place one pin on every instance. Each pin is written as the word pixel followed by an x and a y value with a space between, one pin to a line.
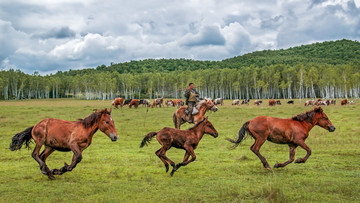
pixel 274 81
pixel 265 74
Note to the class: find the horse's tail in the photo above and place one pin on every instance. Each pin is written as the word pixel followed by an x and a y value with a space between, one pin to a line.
pixel 147 139
pixel 19 139
pixel 242 131
pixel 175 119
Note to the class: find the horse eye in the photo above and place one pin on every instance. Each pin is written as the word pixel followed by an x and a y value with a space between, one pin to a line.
pixel 107 122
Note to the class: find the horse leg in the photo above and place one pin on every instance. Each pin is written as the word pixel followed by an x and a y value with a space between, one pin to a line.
pixel 256 148
pixel 292 149
pixel 189 151
pixel 46 153
pixel 308 152
pixel 77 157
pixel 162 154
pixel 163 160
pixel 43 167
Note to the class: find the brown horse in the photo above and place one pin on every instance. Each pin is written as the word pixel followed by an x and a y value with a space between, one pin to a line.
pixel 134 102
pixel 344 102
pixel 118 102
pixel 158 102
pixel 292 131
pixel 182 139
pixel 180 117
pixel 272 102
pixel 62 135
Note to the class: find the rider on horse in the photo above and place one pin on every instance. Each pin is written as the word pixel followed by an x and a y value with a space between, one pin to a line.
pixel 192 96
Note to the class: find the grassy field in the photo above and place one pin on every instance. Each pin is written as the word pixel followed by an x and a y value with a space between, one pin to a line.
pixel 122 172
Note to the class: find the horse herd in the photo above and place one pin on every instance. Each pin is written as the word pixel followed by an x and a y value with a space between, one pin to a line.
pixel 76 136
pixel 159 102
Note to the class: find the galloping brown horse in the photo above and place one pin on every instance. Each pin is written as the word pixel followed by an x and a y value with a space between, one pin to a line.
pixel 179 116
pixel 182 139
pixel 292 131
pixel 62 135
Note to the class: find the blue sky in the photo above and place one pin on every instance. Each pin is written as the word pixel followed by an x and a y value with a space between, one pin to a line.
pixel 47 36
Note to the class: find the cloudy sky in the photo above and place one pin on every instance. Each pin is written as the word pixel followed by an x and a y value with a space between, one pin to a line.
pixel 51 35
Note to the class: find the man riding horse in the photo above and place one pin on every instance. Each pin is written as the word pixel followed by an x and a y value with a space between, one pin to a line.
pixel 192 96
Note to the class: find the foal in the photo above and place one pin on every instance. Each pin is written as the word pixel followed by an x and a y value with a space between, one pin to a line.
pixel 292 131
pixel 182 139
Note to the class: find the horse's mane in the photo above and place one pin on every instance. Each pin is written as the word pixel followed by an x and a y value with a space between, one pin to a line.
pixel 197 124
pixel 307 116
pixel 92 118
pixel 200 103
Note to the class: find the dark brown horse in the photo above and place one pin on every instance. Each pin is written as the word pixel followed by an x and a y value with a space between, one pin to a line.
pixel 180 117
pixel 182 139
pixel 292 131
pixel 62 135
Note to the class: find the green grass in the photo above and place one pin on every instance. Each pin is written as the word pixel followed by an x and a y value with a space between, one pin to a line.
pixel 121 171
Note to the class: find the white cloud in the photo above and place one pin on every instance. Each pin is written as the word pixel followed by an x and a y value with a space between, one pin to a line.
pixel 49 35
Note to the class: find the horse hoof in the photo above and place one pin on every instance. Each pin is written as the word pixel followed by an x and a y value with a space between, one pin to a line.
pixel 51 177
pixel 56 172
pixel 269 169
pixel 277 165
pixel 299 161
pixel 167 168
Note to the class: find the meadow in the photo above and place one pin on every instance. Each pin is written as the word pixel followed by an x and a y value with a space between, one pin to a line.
pixel 122 172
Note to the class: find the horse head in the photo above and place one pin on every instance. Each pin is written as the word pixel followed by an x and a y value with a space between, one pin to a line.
pixel 209 128
pixel 322 120
pixel 210 105
pixel 106 124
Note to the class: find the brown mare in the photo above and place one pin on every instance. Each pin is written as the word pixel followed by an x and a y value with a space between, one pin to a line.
pixel 182 139
pixel 62 135
pixel 180 117
pixel 292 131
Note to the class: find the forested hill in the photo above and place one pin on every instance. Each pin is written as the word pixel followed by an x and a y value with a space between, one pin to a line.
pixel 331 52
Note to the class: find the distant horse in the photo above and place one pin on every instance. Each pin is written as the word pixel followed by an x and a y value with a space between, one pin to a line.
pixel 62 135
pixel 236 102
pixel 319 102
pixel 169 103
pixel 134 102
pixel 182 139
pixel 278 102
pixel 127 101
pixel 180 117
pixel 333 101
pixel 178 102
pixel 218 101
pixel 245 101
pixel 158 102
pixel 145 102
pixel 118 102
pixel 257 102
pixel 309 102
pixel 344 102
pixel 272 102
pixel 292 131
pixel 290 102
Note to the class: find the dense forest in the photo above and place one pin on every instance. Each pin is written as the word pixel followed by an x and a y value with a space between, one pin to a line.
pixel 327 70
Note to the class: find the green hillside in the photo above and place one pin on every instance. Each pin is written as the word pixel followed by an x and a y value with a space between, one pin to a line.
pixel 331 52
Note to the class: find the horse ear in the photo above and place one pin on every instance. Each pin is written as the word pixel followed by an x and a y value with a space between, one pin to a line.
pixel 110 110
pixel 318 109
